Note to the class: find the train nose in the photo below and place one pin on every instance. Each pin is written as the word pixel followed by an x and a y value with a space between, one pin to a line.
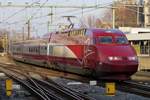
pixel 118 67
pixel 119 64
pixel 117 53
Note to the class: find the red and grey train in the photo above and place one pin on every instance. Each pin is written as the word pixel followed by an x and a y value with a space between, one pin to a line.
pixel 103 53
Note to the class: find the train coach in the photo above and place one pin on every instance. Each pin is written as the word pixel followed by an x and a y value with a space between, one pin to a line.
pixel 102 53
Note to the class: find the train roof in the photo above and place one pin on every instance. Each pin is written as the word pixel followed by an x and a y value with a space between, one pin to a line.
pixel 73 32
pixel 100 30
pixel 94 30
pixel 37 41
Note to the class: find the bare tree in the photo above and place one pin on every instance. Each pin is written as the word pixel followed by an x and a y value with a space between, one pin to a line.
pixel 125 15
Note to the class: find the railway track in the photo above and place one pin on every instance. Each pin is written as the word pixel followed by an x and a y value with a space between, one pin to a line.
pixel 135 88
pixel 126 86
pixel 130 87
pixel 44 88
pixel 51 72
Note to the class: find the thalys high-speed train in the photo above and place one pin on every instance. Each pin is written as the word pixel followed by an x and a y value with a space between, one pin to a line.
pixel 103 53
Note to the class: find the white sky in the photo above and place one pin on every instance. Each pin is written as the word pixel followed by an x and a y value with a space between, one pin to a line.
pixel 39 26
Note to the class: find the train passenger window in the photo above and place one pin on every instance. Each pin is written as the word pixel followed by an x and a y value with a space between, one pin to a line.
pixel 45 48
pixel 37 50
pixel 30 49
pixel 121 40
pixel 94 40
pixel 34 49
pixel 105 39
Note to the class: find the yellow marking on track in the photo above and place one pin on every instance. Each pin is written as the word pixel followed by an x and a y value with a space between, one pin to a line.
pixel 9 83
pixel 110 89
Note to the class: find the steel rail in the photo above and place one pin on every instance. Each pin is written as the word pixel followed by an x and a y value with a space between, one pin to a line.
pixel 72 91
pixel 136 88
pixel 45 92
pixel 57 88
pixel 35 86
pixel 49 93
pixel 130 87
pixel 139 85
pixel 26 83
pixel 33 89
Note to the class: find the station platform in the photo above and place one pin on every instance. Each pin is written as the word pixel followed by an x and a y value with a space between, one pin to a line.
pixel 143 73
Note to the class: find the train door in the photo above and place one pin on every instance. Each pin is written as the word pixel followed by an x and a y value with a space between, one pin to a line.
pixel 49 55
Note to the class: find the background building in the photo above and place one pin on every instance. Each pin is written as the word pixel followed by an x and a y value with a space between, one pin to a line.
pixel 147 13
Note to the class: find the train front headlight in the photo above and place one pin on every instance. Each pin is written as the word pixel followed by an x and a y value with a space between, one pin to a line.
pixel 133 58
pixel 114 58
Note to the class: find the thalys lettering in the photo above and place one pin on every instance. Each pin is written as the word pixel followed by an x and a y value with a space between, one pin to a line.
pixel 101 53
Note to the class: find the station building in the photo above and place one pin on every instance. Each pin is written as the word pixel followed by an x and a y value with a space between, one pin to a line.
pixel 139 38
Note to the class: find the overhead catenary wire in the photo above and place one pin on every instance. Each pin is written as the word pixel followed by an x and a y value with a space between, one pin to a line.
pixel 98 5
pixel 90 10
pixel 46 15
pixel 74 11
pixel 87 11
pixel 38 10
pixel 32 17
pixel 37 17
pixel 14 14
